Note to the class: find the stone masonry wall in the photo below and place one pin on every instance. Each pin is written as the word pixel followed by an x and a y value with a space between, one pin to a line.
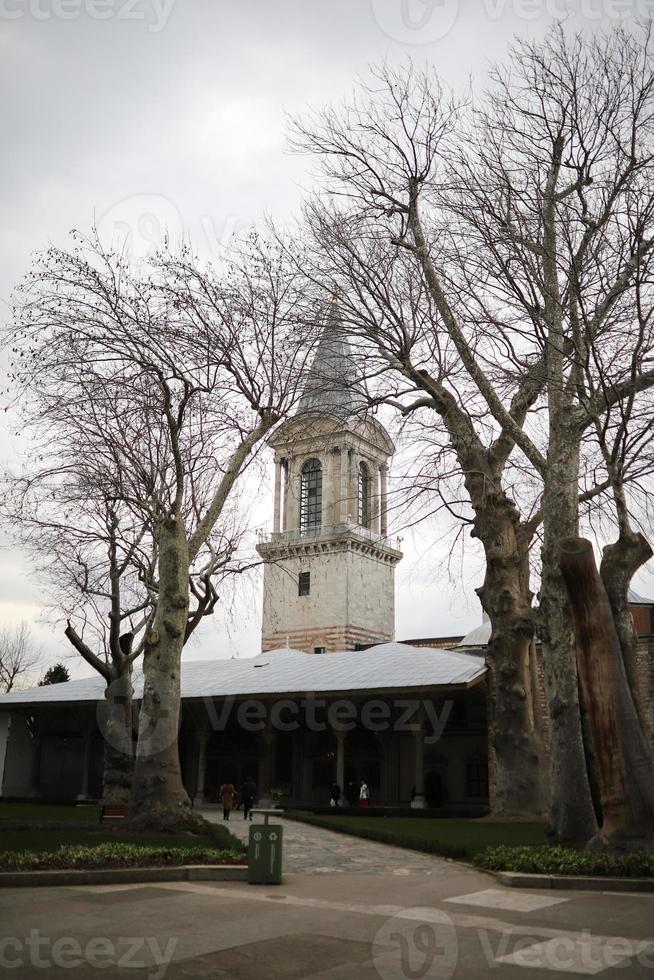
pixel 351 599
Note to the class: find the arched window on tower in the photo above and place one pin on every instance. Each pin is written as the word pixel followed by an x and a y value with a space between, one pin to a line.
pixel 364 495
pixel 311 496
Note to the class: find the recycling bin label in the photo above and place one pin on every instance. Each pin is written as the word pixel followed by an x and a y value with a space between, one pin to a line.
pixel 265 854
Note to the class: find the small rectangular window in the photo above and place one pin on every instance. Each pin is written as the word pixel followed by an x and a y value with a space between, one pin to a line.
pixel 318 649
pixel 304 583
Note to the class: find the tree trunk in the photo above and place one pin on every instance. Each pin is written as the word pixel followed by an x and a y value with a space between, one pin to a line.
pixel 620 562
pixel 158 797
pixel 625 763
pixel 572 816
pixel 515 731
pixel 115 721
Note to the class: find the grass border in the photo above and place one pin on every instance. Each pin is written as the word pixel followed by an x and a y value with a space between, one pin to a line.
pixel 435 848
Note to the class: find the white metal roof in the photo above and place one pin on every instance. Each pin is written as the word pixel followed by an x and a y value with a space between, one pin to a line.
pixel 389 666
pixel 638 600
pixel 477 637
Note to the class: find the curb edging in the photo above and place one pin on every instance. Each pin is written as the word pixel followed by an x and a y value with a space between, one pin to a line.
pixel 111 876
pixel 516 879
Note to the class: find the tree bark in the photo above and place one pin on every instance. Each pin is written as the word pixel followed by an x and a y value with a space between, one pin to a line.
pixel 572 817
pixel 158 797
pixel 625 763
pixel 115 719
pixel 515 732
pixel 620 561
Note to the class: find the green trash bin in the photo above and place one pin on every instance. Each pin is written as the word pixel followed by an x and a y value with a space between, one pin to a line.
pixel 265 854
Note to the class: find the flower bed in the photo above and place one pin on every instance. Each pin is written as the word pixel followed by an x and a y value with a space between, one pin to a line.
pixel 116 855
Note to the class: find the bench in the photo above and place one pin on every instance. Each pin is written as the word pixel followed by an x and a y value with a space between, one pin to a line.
pixel 112 811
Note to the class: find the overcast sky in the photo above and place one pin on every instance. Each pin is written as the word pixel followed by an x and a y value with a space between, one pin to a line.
pixel 147 114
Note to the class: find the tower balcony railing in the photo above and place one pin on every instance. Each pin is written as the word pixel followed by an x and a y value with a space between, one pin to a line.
pixel 323 530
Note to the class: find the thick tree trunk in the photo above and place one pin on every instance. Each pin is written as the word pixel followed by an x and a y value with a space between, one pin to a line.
pixel 515 731
pixel 158 797
pixel 115 721
pixel 595 637
pixel 572 817
pixel 620 562
pixel 625 763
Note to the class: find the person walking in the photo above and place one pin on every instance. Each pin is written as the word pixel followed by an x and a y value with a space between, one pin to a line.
pixel 227 796
pixel 336 795
pixel 248 796
pixel 364 794
pixel 351 793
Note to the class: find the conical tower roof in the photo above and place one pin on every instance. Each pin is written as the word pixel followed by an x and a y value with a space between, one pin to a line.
pixel 332 386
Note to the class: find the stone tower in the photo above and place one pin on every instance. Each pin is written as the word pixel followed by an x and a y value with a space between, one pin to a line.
pixel 329 567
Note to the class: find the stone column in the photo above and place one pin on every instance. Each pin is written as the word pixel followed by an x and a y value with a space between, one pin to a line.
pixel 35 765
pixel 86 764
pixel 267 769
pixel 327 514
pixel 418 802
pixel 383 475
pixel 345 482
pixel 292 496
pixel 284 520
pixel 355 459
pixel 340 759
pixel 278 495
pixel 375 501
pixel 203 739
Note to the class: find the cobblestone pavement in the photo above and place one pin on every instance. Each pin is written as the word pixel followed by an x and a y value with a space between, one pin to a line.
pixel 313 850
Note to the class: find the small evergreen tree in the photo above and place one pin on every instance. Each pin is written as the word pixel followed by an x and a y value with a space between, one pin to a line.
pixel 58 674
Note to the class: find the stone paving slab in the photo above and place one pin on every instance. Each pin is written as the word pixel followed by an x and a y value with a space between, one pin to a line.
pixel 322 928
pixel 313 850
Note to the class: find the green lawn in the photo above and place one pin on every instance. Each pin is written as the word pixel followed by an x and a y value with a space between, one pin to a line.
pixel 450 837
pixel 43 838
pixel 39 812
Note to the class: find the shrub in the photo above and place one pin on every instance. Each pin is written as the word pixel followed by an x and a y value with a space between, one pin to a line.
pixel 115 855
pixel 565 861
pixel 217 833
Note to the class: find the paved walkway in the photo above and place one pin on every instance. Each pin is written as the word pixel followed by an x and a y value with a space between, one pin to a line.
pixel 312 850
pixel 458 925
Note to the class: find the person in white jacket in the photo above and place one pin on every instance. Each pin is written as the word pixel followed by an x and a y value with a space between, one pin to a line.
pixel 364 794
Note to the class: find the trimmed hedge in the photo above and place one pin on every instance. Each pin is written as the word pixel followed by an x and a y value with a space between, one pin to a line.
pixel 114 855
pixel 440 848
pixel 442 813
pixel 565 861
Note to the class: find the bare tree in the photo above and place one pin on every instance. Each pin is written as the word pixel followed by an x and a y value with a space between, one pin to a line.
pixel 488 254
pixel 18 656
pixel 96 558
pixel 175 376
